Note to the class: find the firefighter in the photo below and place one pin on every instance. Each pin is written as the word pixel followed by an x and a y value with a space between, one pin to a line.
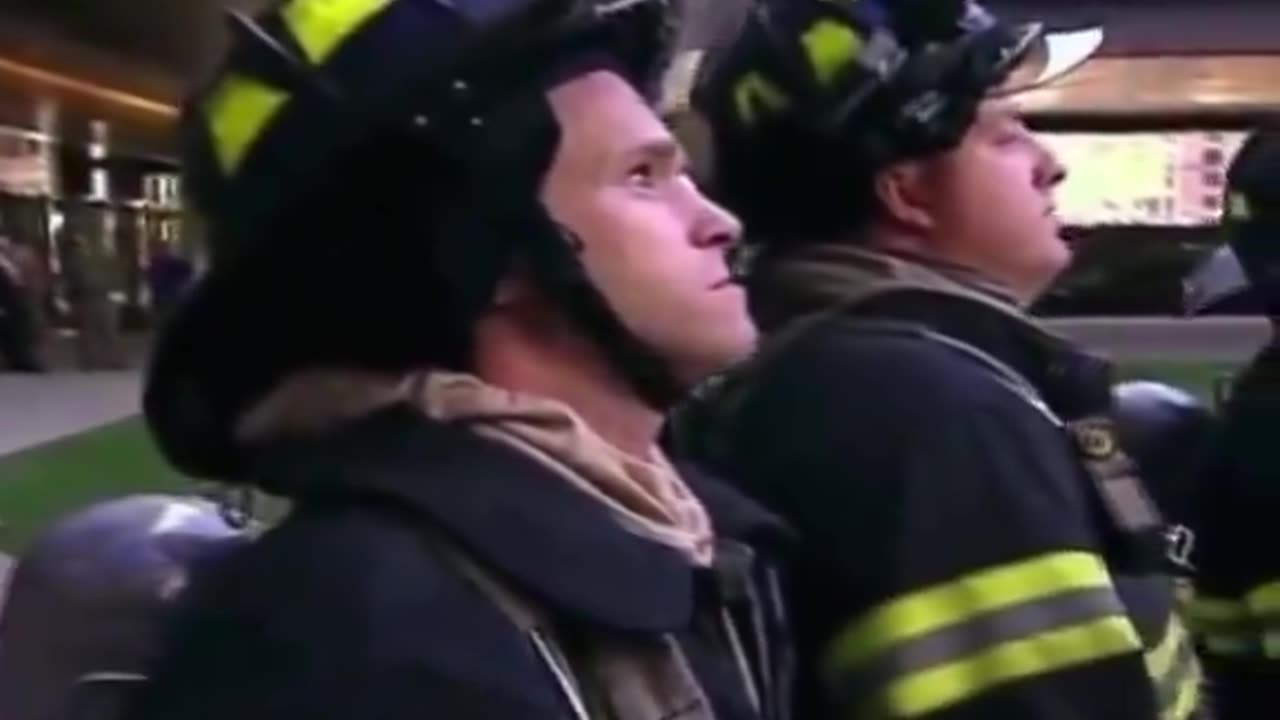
pixel 458 273
pixel 1237 602
pixel 974 541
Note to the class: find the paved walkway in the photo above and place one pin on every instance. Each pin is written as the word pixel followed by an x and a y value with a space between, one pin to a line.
pixel 36 409
pixel 1215 339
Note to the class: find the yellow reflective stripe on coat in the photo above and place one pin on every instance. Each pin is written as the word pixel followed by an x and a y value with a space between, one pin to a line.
pixel 1264 607
pixel 1175 672
pixel 1049 651
pixel 1249 626
pixel 953 641
pixel 320 26
pixel 1225 627
pixel 237 112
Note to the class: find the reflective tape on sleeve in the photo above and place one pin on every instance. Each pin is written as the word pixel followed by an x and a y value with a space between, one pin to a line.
pixel 1175 671
pixel 956 640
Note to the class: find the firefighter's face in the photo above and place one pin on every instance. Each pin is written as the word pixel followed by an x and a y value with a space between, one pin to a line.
pixel 651 242
pixel 989 202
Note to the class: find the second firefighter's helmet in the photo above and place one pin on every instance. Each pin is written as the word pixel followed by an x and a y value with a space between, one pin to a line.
pixel 802 99
pixel 1246 267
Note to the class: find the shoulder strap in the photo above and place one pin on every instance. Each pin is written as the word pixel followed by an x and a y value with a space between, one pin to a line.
pixel 1011 379
pixel 531 621
pixel 1113 474
pixel 639 680
pixel 613 677
pixel 521 613
pixel 1006 375
pixel 1129 509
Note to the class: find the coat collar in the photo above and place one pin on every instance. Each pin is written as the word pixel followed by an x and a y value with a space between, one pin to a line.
pixel 854 281
pixel 1073 382
pixel 511 513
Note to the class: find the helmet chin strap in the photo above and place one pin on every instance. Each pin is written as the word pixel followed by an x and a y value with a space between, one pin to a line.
pixel 558 270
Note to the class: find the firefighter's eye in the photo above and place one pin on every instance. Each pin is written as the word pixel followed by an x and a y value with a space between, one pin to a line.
pixel 644 174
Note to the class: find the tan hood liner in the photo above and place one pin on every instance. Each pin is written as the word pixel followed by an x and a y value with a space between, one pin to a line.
pixel 646 495
pixel 825 277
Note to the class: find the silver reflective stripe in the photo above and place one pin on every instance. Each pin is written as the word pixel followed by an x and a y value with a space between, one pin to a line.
pixel 1007 376
pixel 528 618
pixel 961 640
pixel 560 670
pixel 1181 546
pixel 740 658
pixel 111 677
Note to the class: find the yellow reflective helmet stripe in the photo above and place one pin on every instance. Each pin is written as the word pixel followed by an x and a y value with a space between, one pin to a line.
pixel 952 641
pixel 320 26
pixel 752 91
pixel 830 47
pixel 237 112
pixel 240 108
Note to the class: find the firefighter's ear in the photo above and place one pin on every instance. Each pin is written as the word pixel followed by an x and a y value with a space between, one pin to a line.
pixel 505 293
pixel 904 194
pixel 511 290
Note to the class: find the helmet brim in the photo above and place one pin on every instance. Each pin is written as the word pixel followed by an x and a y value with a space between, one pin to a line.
pixel 1043 57
pixel 1036 59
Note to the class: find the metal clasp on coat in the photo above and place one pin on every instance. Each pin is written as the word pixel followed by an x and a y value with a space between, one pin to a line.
pixel 1181 543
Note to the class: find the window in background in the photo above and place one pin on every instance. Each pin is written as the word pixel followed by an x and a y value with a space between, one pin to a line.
pixel 1173 178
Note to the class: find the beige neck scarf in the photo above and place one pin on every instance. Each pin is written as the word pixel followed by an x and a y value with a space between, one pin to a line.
pixel 646 495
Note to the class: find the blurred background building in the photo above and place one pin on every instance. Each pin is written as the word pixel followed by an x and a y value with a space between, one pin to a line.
pixel 1146 130
pixel 89 184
